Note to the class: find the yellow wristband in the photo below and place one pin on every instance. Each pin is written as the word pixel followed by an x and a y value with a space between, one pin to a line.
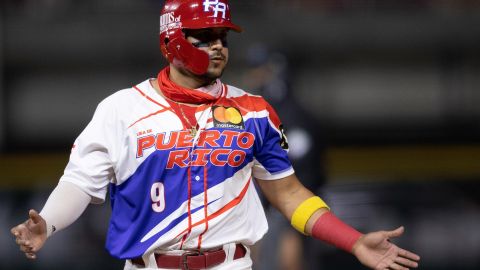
pixel 305 210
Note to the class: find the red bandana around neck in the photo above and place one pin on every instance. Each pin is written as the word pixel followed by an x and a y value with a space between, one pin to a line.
pixel 178 93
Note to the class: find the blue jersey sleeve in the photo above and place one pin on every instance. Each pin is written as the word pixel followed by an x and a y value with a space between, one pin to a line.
pixel 271 153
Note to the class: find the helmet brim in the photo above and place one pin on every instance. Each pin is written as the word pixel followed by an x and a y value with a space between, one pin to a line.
pixel 211 24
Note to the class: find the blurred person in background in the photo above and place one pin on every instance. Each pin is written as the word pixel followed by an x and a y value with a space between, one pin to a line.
pixel 269 76
pixel 178 154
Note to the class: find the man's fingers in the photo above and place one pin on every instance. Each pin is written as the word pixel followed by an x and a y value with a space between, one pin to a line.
pixel 31 256
pixel 395 233
pixel 22 242
pixel 20 235
pixel 23 236
pixel 34 216
pixel 406 262
pixel 396 266
pixel 26 249
pixel 18 230
pixel 409 255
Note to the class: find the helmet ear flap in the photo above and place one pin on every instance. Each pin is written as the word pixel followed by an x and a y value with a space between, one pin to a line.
pixel 182 53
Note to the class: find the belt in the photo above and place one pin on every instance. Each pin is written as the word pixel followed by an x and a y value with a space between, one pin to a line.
pixel 192 260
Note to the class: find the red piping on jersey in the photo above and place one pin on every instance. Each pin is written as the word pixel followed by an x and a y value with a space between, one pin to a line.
pixel 164 108
pixel 183 240
pixel 205 205
pixel 225 208
pixel 152 114
pixel 189 178
pixel 205 178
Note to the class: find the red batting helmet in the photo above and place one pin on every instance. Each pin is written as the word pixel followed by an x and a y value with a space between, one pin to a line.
pixel 177 15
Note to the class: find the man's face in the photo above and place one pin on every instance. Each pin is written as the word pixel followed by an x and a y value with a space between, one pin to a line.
pixel 214 42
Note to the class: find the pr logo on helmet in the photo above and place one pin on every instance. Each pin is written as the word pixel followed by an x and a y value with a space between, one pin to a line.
pixel 216 6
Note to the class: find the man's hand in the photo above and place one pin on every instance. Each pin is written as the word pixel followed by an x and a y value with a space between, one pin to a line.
pixel 31 235
pixel 375 251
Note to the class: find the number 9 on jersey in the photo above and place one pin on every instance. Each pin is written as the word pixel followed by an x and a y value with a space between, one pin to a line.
pixel 157 195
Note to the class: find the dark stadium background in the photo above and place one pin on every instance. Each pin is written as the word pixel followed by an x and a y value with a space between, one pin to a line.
pixel 392 86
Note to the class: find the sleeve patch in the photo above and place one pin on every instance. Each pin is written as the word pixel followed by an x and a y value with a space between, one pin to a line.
pixel 283 140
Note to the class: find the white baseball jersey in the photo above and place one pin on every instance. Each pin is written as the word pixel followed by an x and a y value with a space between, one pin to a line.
pixel 168 189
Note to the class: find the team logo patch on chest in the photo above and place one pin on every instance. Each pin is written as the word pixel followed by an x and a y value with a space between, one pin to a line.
pixel 227 117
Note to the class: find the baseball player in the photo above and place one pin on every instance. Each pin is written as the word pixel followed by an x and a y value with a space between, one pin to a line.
pixel 180 154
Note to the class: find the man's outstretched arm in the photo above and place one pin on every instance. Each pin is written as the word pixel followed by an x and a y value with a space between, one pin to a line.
pixel 311 216
pixel 65 204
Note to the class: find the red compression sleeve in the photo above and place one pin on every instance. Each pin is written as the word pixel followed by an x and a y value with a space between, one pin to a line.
pixel 332 230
